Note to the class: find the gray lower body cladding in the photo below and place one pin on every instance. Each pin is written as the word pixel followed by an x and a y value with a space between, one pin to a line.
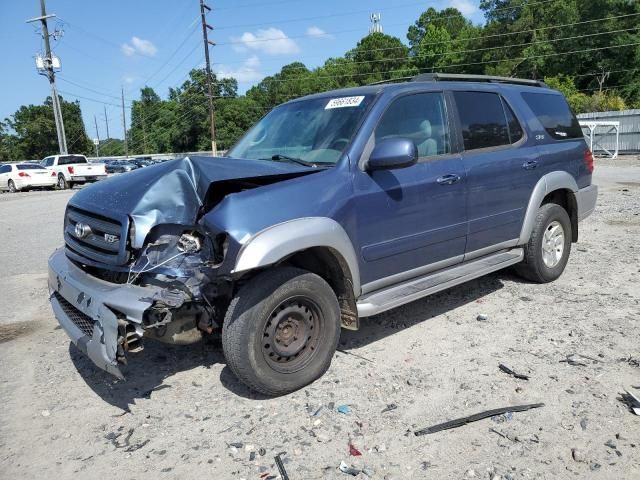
pixel 89 309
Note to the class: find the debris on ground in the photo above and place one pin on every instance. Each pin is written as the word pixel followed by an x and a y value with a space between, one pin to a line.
pixel 511 372
pixel 632 401
pixel 483 317
pixel 389 407
pixel 280 465
pixel 573 360
pixel 344 409
pixel 353 451
pixel 344 468
pixel 346 352
pixel 474 418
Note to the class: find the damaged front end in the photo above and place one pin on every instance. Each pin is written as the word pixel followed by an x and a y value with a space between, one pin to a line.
pixel 184 264
pixel 138 262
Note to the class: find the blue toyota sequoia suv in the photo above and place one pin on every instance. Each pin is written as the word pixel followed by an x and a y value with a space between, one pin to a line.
pixel 332 208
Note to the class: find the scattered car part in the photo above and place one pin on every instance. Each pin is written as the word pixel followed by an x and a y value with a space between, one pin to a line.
pixel 474 418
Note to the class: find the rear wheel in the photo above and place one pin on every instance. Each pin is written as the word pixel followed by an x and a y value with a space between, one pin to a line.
pixel 62 183
pixel 281 330
pixel 547 252
pixel 12 187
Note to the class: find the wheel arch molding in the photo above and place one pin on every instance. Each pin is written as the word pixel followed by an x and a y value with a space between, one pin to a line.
pixel 277 242
pixel 549 183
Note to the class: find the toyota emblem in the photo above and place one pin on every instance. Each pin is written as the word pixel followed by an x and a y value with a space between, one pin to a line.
pixel 82 230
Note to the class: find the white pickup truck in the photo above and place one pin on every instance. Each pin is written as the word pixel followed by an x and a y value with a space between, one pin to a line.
pixel 74 169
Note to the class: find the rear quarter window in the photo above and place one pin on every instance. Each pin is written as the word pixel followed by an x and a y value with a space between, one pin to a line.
pixel 555 115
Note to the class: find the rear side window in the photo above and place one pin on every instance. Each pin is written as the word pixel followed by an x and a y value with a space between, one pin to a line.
pixel 71 159
pixel 554 114
pixel 482 119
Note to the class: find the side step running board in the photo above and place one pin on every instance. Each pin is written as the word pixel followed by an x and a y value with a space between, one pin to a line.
pixel 396 295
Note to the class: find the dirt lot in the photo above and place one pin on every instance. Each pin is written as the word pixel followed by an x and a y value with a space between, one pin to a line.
pixel 182 414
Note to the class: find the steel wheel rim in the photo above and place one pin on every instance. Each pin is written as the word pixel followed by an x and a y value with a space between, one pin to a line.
pixel 291 334
pixel 553 244
pixel 12 187
pixel 60 183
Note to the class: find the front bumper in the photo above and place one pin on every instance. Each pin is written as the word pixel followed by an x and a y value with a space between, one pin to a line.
pixel 586 200
pixel 88 309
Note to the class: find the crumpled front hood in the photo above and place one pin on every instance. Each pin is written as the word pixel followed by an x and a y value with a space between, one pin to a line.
pixel 172 192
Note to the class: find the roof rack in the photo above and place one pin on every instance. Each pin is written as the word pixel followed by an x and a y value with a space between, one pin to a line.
pixel 391 80
pixel 461 77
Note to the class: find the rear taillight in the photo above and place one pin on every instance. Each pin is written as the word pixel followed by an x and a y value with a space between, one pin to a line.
pixel 23 174
pixel 70 168
pixel 588 160
pixel 53 174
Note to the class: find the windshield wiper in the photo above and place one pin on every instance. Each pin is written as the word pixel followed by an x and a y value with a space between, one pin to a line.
pixel 279 157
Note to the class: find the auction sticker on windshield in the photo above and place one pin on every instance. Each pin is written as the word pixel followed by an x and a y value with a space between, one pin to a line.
pixel 342 102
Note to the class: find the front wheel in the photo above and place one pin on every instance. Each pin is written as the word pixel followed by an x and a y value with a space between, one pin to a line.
pixel 547 252
pixel 281 330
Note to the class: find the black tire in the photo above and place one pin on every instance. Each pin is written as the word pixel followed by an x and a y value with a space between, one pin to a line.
pixel 533 267
pixel 259 323
pixel 12 187
pixel 62 183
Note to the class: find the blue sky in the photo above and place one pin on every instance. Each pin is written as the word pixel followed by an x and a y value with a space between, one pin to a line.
pixel 130 43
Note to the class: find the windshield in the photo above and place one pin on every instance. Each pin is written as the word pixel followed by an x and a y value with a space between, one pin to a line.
pixel 315 131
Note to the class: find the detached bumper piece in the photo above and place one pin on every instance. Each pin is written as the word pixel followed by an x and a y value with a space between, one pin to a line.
pixel 96 313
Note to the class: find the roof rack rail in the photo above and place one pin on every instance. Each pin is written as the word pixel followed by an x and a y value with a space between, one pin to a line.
pixel 391 80
pixel 461 77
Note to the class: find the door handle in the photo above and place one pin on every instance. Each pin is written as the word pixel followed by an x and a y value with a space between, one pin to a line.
pixel 530 164
pixel 449 179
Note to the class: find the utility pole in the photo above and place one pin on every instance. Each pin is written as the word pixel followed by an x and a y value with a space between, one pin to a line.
pixel 106 121
pixel 205 37
pixel 124 126
pixel 47 68
pixel 95 120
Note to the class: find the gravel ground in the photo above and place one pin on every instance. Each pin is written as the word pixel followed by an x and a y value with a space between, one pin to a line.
pixel 182 414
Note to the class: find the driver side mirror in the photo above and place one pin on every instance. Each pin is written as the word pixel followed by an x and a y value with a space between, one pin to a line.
pixel 392 153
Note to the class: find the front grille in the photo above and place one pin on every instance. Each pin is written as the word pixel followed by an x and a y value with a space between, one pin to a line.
pixel 82 321
pixel 96 237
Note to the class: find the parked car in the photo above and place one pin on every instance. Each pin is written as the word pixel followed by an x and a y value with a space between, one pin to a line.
pixel 73 170
pixel 121 166
pixel 141 162
pixel 334 207
pixel 25 176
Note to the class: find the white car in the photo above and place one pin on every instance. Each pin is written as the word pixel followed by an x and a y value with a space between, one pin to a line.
pixel 24 176
pixel 72 170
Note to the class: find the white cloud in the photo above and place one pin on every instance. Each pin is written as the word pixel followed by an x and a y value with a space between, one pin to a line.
pixel 248 73
pixel 139 46
pixel 466 7
pixel 128 79
pixel 271 41
pixel 317 32
pixel 252 61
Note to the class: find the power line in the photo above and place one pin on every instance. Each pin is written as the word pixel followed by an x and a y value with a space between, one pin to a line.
pixel 457 52
pixel 480 37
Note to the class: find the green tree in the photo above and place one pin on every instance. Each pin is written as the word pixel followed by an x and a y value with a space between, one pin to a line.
pixel 35 130
pixel 379 57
